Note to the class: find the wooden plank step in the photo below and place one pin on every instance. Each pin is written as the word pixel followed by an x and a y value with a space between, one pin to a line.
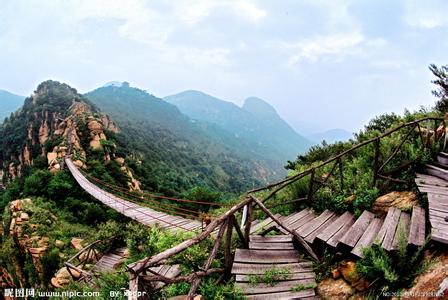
pixel 439 235
pixel 312 236
pixel 442 159
pixel 262 225
pixel 305 294
pixel 291 276
pixel 352 236
pixel 311 226
pixel 303 221
pixel 430 180
pixel 387 232
pixel 417 228
pixel 402 231
pixel 282 286
pixel 328 232
pixel 296 216
pixel 368 237
pixel 298 267
pixel 271 239
pixel 271 246
pixel 266 256
pixel 437 171
pixel 334 240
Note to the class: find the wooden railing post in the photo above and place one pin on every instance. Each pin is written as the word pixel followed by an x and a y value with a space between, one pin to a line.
pixel 208 263
pixel 240 234
pixel 248 224
pixel 311 185
pixel 228 247
pixel 341 174
pixel 376 161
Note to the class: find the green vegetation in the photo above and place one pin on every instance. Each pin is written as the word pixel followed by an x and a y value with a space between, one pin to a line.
pixel 302 287
pixel 391 273
pixel 168 152
pixel 271 276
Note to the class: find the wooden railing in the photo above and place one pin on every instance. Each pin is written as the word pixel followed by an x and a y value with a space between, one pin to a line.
pixel 75 265
pixel 141 276
pixel 428 138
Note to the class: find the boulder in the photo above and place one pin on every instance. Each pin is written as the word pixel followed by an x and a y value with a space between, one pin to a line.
pixel 78 163
pixel 16 205
pixel 51 156
pixel 24 216
pixel 95 126
pixel 351 275
pixel 120 160
pixel 334 289
pixel 59 244
pixel 402 200
pixel 77 243
pixel 335 273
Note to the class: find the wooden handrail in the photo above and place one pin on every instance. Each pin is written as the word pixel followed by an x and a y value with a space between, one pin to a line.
pixel 141 265
pixel 283 183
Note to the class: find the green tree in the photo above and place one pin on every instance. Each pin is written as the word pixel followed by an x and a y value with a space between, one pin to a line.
pixel 36 183
pixel 441 81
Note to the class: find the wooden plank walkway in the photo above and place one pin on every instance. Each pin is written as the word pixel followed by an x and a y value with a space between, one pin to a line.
pixel 110 261
pixel 350 235
pixel 435 185
pixel 270 254
pixel 141 214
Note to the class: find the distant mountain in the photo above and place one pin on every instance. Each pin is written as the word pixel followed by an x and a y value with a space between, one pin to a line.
pixel 331 136
pixel 9 103
pixel 178 152
pixel 256 122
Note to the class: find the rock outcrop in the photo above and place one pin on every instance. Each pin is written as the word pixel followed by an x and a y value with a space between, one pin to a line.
pixel 402 200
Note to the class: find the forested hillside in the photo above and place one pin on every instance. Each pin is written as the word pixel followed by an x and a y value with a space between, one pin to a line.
pixel 178 153
pixel 256 122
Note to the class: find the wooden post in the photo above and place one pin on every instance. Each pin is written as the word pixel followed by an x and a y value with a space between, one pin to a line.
pixel 310 188
pixel 228 246
pixel 376 161
pixel 341 174
pixel 248 224
pixel 240 233
pixel 293 232
pixel 208 263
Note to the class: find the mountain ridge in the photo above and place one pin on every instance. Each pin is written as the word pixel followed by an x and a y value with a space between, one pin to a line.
pixel 256 121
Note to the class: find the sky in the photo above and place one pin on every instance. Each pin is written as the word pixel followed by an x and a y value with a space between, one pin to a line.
pixel 321 64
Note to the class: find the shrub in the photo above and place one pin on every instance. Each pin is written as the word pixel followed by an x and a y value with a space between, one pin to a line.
pixel 388 272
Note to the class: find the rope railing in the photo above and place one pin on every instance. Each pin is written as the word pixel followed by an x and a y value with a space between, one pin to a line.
pixel 106 197
pixel 163 197
pixel 127 194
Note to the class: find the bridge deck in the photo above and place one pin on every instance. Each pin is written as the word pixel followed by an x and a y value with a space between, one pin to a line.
pixel 141 214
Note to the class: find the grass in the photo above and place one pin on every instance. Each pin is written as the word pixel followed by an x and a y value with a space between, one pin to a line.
pixel 271 276
pixel 301 287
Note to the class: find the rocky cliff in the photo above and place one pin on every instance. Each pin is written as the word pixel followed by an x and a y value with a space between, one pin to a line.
pixel 53 121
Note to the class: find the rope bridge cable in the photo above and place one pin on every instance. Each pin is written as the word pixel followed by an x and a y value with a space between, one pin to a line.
pixel 158 208
pixel 171 198
pixel 126 192
pixel 94 190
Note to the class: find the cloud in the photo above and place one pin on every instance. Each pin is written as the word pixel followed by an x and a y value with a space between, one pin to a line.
pixel 427 14
pixel 321 47
pixel 192 12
